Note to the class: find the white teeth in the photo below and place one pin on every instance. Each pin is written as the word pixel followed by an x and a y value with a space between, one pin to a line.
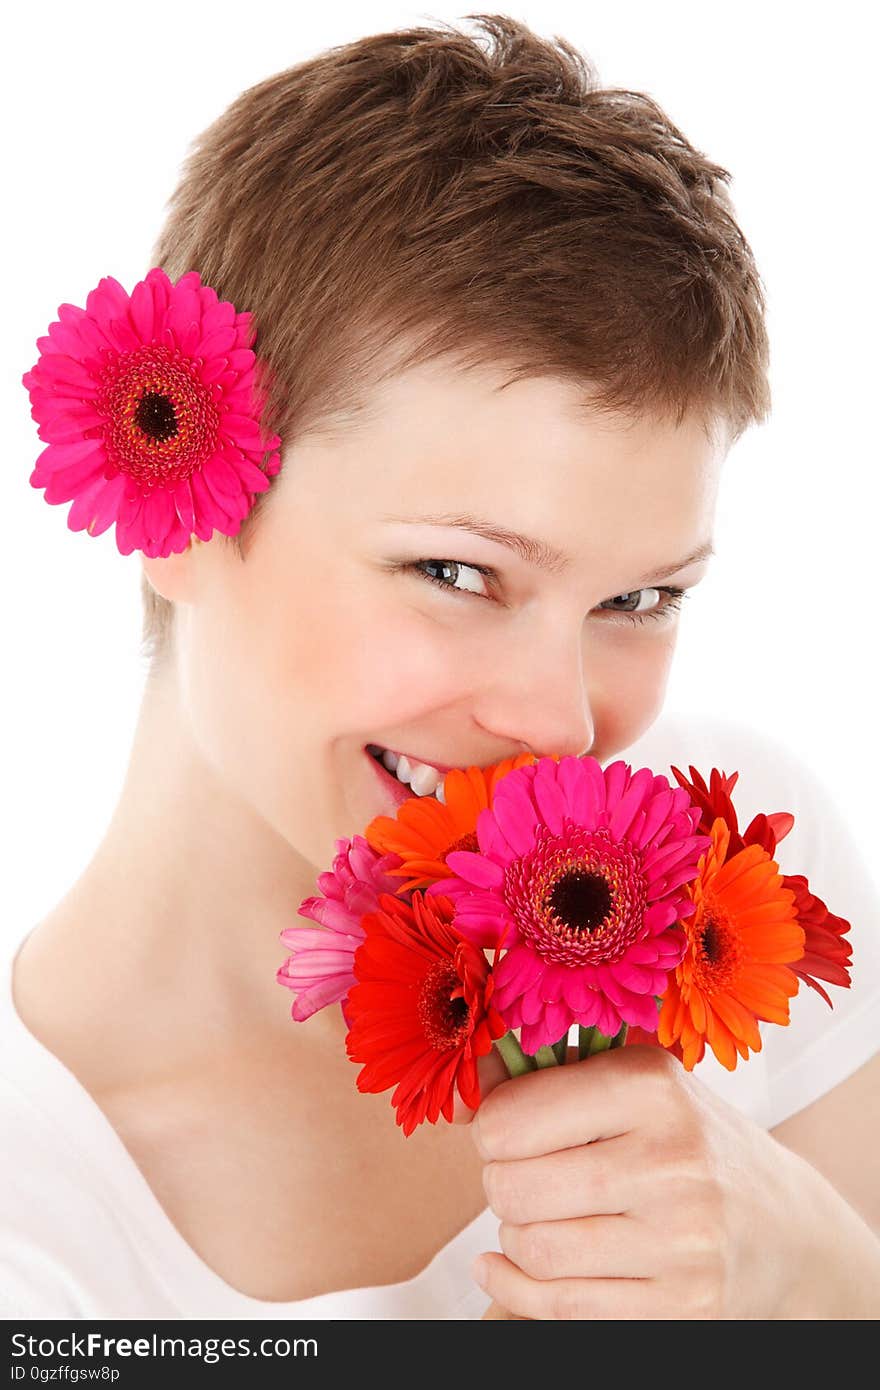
pixel 423 780
pixel 440 792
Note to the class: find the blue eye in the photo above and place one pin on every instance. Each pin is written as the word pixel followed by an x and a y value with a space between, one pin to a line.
pixel 673 596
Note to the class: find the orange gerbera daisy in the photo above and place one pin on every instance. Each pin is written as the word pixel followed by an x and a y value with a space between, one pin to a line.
pixel 425 830
pixel 741 937
pixel 826 954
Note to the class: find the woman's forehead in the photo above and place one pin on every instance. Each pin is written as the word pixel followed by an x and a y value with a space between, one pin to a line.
pixel 530 458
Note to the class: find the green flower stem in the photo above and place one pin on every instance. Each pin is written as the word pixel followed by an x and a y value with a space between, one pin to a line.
pixel 546 1057
pixel 516 1061
pixel 561 1050
pixel 591 1041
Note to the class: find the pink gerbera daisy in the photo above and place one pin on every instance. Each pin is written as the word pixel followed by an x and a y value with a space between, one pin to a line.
pixel 150 409
pixel 321 964
pixel 580 875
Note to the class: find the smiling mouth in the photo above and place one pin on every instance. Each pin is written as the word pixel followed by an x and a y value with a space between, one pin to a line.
pixel 420 778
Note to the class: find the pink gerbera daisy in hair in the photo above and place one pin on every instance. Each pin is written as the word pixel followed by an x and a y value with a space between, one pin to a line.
pixel 580 876
pixel 320 966
pixel 150 409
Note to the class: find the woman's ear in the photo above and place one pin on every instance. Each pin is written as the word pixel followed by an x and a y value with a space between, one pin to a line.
pixel 174 576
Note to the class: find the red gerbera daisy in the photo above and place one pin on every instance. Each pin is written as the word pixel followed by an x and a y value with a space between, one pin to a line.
pixel 826 954
pixel 714 801
pixel 150 409
pixel 420 1013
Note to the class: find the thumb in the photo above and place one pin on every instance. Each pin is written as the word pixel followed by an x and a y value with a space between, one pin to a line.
pixel 491 1072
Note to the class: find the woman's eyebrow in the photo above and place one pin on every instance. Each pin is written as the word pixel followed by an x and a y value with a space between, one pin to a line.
pixel 537 552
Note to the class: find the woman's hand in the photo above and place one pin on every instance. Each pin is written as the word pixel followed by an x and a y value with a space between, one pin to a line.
pixel 626 1189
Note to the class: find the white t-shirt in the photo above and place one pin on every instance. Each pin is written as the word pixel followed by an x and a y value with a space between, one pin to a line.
pixel 82 1235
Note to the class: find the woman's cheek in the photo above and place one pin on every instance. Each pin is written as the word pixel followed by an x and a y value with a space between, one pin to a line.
pixel 410 659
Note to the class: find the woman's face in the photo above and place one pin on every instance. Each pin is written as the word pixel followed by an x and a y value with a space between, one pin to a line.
pixel 328 637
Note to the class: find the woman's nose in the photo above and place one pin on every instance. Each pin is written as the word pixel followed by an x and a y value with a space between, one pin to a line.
pixel 537 697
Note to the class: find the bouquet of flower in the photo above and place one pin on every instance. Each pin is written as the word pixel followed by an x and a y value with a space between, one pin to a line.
pixel 542 895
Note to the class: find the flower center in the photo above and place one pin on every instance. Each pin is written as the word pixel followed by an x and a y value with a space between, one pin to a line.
pixel 579 897
pixel 580 900
pixel 446 1020
pixel 154 414
pixel 712 942
pixel 161 420
pixel 468 842
pixel 717 949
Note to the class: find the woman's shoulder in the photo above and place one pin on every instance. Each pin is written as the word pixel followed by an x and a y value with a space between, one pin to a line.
pixel 52 1218
pixel 69 1241
pixel 51 1203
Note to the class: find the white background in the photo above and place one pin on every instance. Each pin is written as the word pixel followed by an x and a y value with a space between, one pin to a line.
pixel 100 105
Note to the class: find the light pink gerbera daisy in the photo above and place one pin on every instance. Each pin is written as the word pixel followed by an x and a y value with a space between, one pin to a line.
pixel 580 877
pixel 321 964
pixel 150 408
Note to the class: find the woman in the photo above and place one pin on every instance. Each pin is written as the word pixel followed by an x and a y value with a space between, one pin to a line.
pixel 512 331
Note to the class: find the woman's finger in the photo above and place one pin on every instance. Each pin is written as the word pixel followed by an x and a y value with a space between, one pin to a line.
pixel 561 1299
pixel 556 1107
pixel 588 1247
pixel 607 1178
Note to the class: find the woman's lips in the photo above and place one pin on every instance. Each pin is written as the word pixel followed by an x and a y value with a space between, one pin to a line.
pixel 396 790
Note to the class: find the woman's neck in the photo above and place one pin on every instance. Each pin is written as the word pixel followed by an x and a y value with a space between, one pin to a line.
pixel 171 933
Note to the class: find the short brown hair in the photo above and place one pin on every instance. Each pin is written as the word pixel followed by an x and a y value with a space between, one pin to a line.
pixel 417 187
